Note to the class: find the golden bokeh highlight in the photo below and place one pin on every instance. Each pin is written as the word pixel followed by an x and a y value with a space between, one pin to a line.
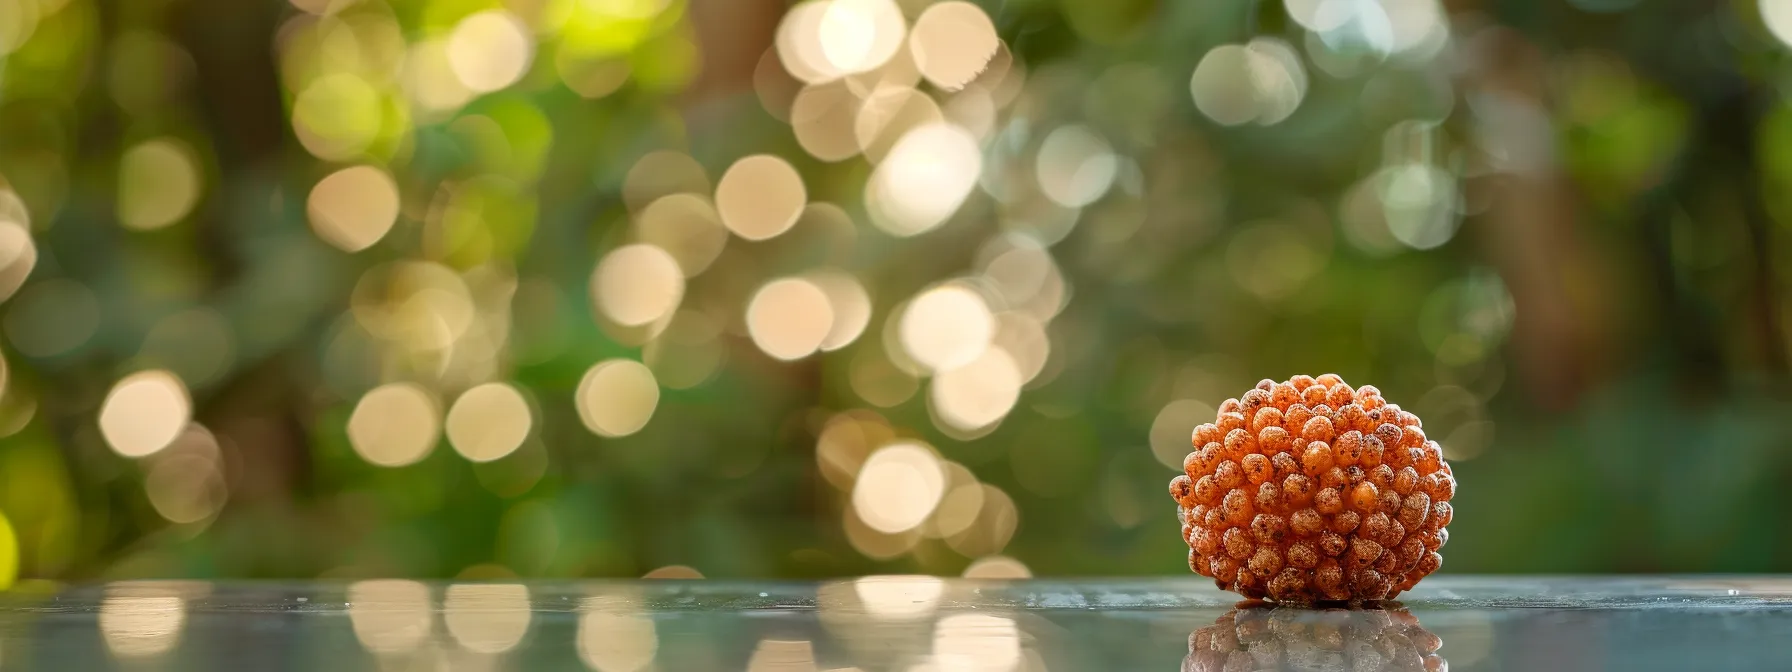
pixel 760 197
pixel 674 572
pixel 615 635
pixel 158 184
pixel 490 50
pixel 974 110
pixel 851 306
pixel 140 624
pixel 337 116
pixel 617 397
pixel 1075 166
pixel 888 114
pixel 898 487
pixel 946 327
pixel 997 519
pixel 1170 430
pixel 144 413
pixel 790 318
pixel 395 425
pixel 429 79
pixel 824 117
pixel 959 508
pixel 860 35
pixel 899 597
pixel 353 208
pixel 1777 16
pixel 997 567
pixel 660 174
pixel 635 285
pixel 487 617
pixel 952 43
pixel 417 305
pixel 687 227
pixel 978 394
pixel 489 422
pixel 18 256
pixel 185 483
pixel 390 616
pixel 1261 82
pixel 798 42
pixel 924 179
pixel 874 544
pixel 845 441
pixel 782 655
pixel 1023 337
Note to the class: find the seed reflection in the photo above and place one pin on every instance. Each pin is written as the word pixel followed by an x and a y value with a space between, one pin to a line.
pixel 1258 635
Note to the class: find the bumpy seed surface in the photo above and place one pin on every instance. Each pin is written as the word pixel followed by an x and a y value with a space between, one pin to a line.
pixel 1313 490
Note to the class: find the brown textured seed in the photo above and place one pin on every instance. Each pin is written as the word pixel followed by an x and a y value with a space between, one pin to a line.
pixel 1306 522
pixel 1295 418
pixel 1256 468
pixel 1297 490
pixel 1228 475
pixel 1239 443
pixel 1373 451
pixel 1285 465
pixel 1415 510
pixel 1206 433
pixel 1328 501
pixel 1316 459
pixel 1230 421
pixel 1267 416
pixel 1346 522
pixel 1313 395
pixel 1269 528
pixel 1332 544
pixel 1274 439
pixel 1318 428
pixel 1238 543
pixel 1334 478
pixel 1382 476
pixel 1348 448
pixel 1283 395
pixel 1305 555
pixel 1269 497
pixel 1237 507
pixel 1182 490
pixel 1406 480
pixel 1286 498
pixel 1363 497
pixel 1266 562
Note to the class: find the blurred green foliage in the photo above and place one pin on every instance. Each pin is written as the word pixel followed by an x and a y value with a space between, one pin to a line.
pixel 1557 233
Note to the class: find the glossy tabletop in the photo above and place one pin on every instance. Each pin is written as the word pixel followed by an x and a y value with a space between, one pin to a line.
pixel 895 623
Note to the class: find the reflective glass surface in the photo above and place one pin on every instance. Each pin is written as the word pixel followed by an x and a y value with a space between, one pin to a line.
pixel 894 623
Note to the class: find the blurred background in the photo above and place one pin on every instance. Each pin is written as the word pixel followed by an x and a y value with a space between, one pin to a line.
pixel 751 288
